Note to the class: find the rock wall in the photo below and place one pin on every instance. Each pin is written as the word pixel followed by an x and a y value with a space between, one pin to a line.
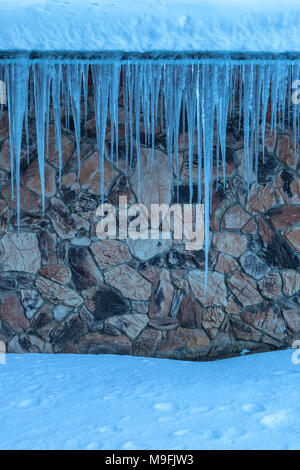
pixel 64 290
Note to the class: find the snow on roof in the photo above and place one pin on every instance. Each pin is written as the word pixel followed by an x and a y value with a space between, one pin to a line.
pixel 150 25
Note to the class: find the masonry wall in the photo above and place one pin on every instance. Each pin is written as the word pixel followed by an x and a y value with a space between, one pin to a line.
pixel 64 290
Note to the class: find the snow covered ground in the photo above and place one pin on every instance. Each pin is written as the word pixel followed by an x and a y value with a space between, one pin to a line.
pixel 120 402
pixel 150 25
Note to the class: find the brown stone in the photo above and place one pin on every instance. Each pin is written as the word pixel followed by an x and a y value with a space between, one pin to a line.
pixel 270 286
pixel 190 312
pixel 5 155
pixel 148 342
pixel 20 252
pixel 265 317
pixel 286 152
pixel 56 273
pixel 85 273
pixel 98 343
pixel 232 306
pixel 67 148
pixel 131 325
pixel 226 264
pixel 32 180
pixel 262 198
pixel 90 174
pixel 293 237
pixel 292 319
pixel 61 219
pixel 12 312
pixel 163 323
pixel 3 216
pixel 288 186
pixel 68 332
pixel 244 288
pixel 184 343
pixel 244 332
pixel 216 290
pixel 109 253
pixel 235 218
pixel 43 322
pixel 291 281
pixel 129 282
pixel 250 227
pixel 57 293
pixel 162 295
pixel 233 244
pixel 70 182
pixel 29 202
pixel 284 216
pixel 212 319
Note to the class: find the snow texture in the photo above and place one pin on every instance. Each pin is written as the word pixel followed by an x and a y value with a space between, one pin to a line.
pixel 150 25
pixel 121 402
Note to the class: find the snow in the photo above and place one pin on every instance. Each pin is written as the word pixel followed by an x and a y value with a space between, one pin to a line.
pixel 121 402
pixel 150 25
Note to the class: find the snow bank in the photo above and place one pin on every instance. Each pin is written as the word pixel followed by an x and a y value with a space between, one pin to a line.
pixel 150 25
pixel 120 402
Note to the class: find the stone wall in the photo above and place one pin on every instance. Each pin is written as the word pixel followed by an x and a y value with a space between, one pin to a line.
pixel 64 290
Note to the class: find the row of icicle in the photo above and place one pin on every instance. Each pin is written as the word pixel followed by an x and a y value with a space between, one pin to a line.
pixel 196 95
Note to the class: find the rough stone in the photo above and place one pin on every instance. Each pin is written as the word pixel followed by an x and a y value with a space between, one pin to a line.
pixel 20 252
pixel 104 302
pixel 286 152
pixel 291 281
pixel 98 343
pixel 57 293
pixel 235 218
pixel 253 265
pixel 29 202
pixel 162 295
pixel 68 332
pixel 56 273
pixel 262 198
pixel 148 342
pixel 184 343
pixel 233 244
pixel 11 311
pixel 244 288
pixel 270 286
pixel 131 325
pixel 110 253
pixel 226 264
pixel 293 238
pixel 31 179
pixel 190 312
pixel 85 273
pixel 90 174
pixel 31 301
pixel 147 249
pixel 163 323
pixel 284 216
pixel 129 282
pixel 265 317
pixel 212 319
pixel 216 289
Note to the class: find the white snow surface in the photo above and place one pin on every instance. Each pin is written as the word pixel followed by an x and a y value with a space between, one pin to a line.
pixel 150 25
pixel 121 402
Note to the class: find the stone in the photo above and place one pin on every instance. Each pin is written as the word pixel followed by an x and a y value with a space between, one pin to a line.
pixel 47 244
pixel 288 186
pixel 147 249
pixel 57 293
pixel 253 265
pixel 285 216
pixel 29 202
pixel 32 222
pixel 90 174
pixel 85 273
pixel 163 323
pixel 12 312
pixel 147 343
pixel 60 312
pixel 293 237
pixel 262 197
pixel 67 148
pixel 286 152
pixel 230 243
pixel 266 169
pixel 99 343
pixel 5 155
pixel 7 282
pixel 250 228
pixel 270 286
pixel 212 319
pixel 156 180
pixel 110 253
pixel 266 318
pixel 226 264
pixel 62 221
pixel 244 332
pixel 232 306
pixel 3 216
pixel 31 179
pixel 43 322
pixel 190 312
pixel 139 306
pixel 162 295
pixel 244 288
pixel 129 282
pixel 20 252
pixel 121 187
pixel 68 332
pixel 292 319
pixel 56 273
pixel 104 302
pixel 31 301
pixel 69 182
pixel 235 218
pixel 131 325
pixel 216 291
pixel 184 343
pixel 291 281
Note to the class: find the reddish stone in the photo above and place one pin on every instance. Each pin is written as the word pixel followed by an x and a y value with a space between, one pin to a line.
pixel 244 288
pixel 190 312
pixel 291 281
pixel 184 343
pixel 32 180
pixel 286 152
pixel 233 244
pixel 270 286
pixel 265 317
pixel 57 273
pixel 235 218
pixel 293 237
pixel 226 264
pixel 12 312
pixel 285 216
pixel 162 295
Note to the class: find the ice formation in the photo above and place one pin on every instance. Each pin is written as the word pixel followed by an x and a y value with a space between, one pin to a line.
pixel 197 93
